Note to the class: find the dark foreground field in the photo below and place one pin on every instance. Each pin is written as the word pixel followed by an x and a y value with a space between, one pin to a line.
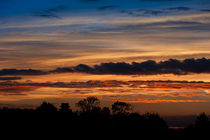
pixel 93 122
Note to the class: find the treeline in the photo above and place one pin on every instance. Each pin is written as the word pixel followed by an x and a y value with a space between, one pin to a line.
pixel 118 121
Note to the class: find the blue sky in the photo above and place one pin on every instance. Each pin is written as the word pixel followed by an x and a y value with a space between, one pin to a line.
pixel 18 7
pixel 52 33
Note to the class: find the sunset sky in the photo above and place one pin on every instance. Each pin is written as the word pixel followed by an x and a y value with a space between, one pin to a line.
pixel 123 50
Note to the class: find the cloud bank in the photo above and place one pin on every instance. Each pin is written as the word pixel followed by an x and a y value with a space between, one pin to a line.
pixel 150 67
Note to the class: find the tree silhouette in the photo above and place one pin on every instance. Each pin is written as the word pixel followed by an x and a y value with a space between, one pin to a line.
pixel 48 119
pixel 154 121
pixel 202 120
pixel 46 107
pixel 65 107
pixel 106 111
pixel 121 108
pixel 89 104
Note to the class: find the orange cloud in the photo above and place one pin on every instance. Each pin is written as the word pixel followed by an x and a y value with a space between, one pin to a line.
pixel 159 101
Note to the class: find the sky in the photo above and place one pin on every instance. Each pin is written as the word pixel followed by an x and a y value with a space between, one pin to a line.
pixel 50 41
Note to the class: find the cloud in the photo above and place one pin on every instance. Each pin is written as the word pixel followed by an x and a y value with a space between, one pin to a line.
pixel 159 101
pixel 46 15
pixel 62 70
pixel 175 87
pixel 180 8
pixel 9 78
pixel 149 67
pixel 131 91
pixel 158 12
pixel 205 10
pixel 15 91
pixel 168 26
pixel 107 7
pixel 51 12
pixel 143 12
pixel 21 72
pixel 11 89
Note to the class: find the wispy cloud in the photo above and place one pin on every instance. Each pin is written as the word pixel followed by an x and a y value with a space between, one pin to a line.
pixel 94 32
pixel 128 91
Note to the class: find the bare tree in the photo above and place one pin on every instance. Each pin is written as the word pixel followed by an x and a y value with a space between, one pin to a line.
pixel 121 108
pixel 89 104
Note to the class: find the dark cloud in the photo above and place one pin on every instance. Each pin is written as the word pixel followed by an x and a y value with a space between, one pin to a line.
pixel 108 7
pixel 149 67
pixel 46 15
pixel 153 12
pixel 205 10
pixel 10 78
pixel 62 70
pixel 143 12
pixel 51 12
pixel 157 12
pixel 21 72
pixel 180 8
